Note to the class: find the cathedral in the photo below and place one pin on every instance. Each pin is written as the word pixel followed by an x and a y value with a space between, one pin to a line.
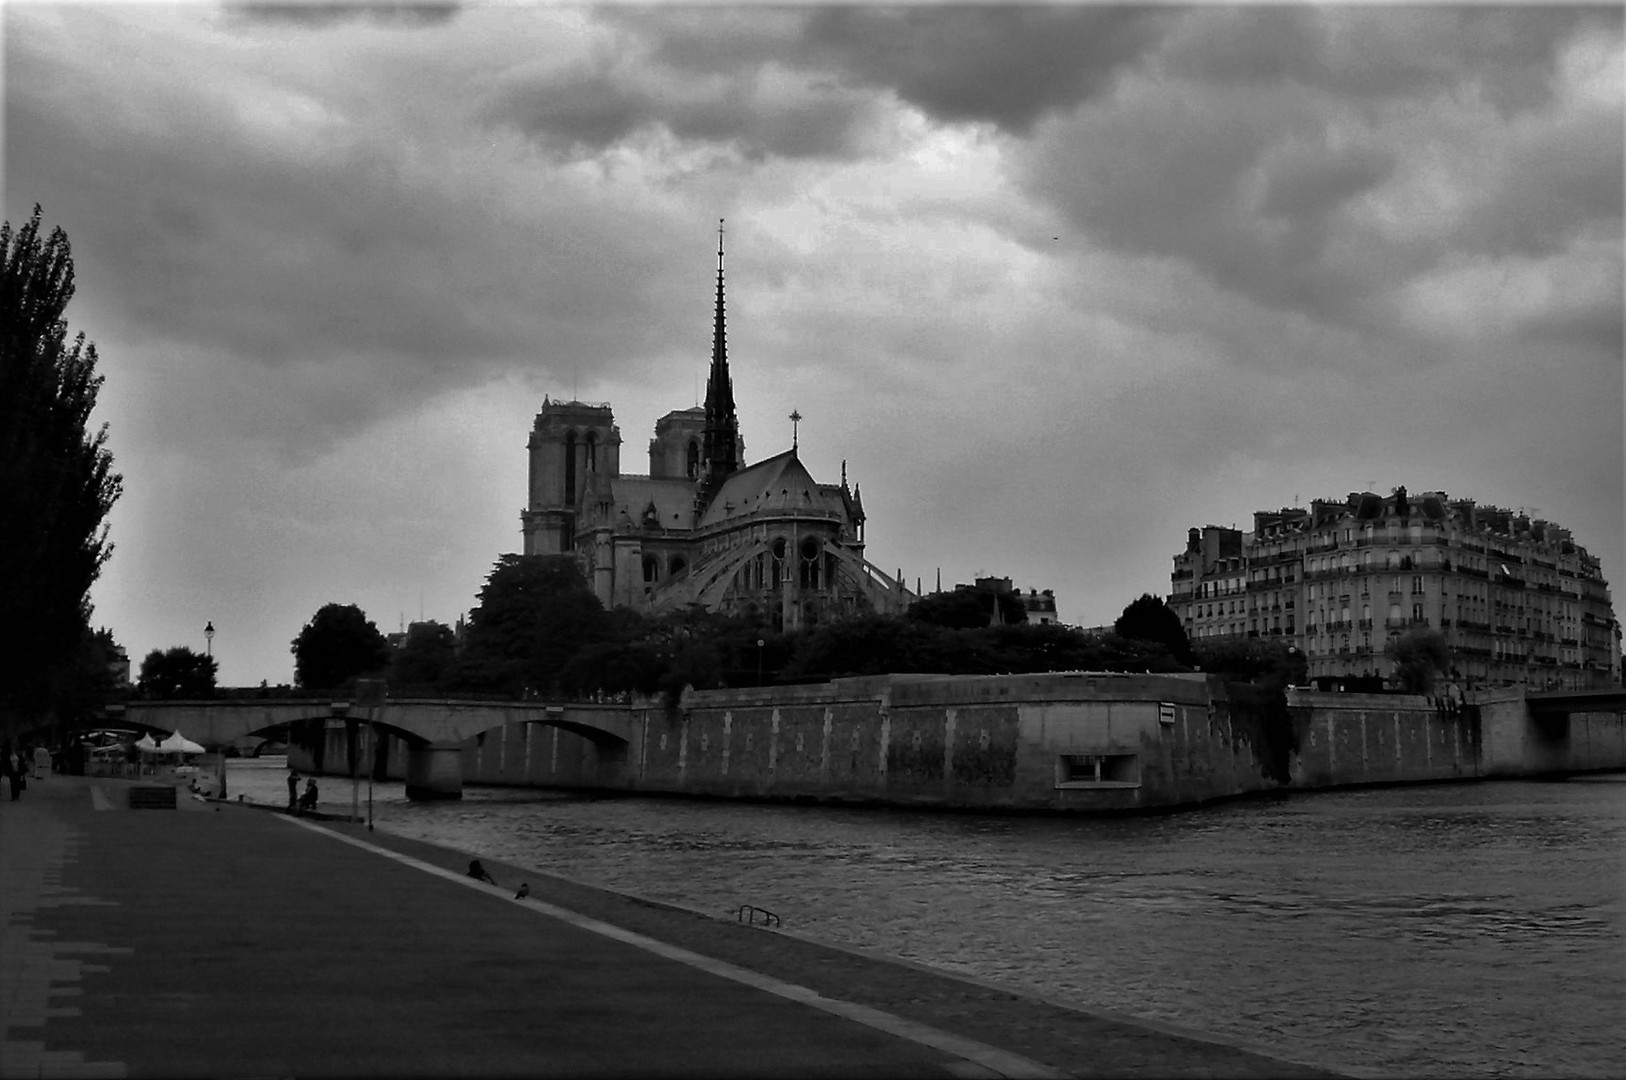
pixel 703 527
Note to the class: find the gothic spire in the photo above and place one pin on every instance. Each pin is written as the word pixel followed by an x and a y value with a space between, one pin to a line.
pixel 720 448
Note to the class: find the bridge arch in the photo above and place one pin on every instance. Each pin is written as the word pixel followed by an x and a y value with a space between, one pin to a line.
pixel 433 730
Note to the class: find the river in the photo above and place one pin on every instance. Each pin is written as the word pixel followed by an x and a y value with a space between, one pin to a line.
pixel 1473 929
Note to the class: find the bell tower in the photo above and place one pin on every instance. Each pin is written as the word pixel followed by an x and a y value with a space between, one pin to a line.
pixel 570 442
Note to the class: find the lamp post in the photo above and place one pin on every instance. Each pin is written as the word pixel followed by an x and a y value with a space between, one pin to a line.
pixel 760 643
pixel 209 648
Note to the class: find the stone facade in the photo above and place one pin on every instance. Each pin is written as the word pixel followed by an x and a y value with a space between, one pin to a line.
pixel 1519 602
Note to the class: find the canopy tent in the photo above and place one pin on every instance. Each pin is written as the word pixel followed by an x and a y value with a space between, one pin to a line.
pixel 175 744
pixel 179 744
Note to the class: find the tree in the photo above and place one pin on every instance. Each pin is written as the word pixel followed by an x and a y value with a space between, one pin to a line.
pixel 1419 656
pixel 337 645
pixel 881 644
pixel 56 477
pixel 425 657
pixel 535 613
pixel 1258 660
pixel 1148 618
pixel 968 609
pixel 177 674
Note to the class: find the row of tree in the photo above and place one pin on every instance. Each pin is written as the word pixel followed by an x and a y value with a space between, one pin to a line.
pixel 539 631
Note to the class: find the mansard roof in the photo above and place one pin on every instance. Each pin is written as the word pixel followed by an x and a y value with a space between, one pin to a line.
pixel 780 484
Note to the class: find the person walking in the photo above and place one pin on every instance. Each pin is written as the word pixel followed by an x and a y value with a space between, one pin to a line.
pixel 16 771
pixel 293 791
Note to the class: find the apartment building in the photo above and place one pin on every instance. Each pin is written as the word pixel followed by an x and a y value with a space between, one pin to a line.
pixel 1518 601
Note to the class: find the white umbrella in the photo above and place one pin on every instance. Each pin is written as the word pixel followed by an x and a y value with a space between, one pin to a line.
pixel 179 744
pixel 146 744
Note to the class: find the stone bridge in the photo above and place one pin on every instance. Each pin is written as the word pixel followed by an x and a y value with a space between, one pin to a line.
pixel 433 730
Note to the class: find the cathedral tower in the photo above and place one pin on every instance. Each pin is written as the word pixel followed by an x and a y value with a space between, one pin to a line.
pixel 570 442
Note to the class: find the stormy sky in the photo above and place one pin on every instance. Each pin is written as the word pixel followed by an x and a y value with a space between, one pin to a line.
pixel 1056 283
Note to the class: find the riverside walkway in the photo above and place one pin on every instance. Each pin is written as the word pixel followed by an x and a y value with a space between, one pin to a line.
pixel 221 940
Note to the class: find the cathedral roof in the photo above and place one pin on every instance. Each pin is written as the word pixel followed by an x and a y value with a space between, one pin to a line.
pixel 671 498
pixel 780 483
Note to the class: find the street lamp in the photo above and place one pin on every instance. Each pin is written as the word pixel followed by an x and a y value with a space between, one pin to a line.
pixel 209 647
pixel 760 643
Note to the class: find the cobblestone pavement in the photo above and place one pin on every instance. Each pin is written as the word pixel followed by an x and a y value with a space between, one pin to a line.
pixel 224 940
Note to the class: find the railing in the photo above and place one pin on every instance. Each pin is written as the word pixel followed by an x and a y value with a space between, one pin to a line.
pixel 747 913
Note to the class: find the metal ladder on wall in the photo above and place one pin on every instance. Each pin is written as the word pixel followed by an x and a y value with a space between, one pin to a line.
pixel 747 913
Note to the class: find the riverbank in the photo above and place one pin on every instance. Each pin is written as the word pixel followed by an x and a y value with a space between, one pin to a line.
pixel 214 940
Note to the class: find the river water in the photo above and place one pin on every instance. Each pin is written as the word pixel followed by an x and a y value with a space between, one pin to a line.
pixel 1471 929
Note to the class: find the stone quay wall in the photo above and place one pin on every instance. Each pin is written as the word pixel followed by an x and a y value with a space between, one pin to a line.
pixel 1068 741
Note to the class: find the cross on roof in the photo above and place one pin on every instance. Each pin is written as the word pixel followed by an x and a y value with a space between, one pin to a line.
pixel 795 422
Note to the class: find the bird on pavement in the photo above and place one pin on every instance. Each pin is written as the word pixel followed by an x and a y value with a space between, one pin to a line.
pixel 524 891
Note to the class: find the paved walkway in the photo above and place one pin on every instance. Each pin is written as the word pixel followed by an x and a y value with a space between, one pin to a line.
pixel 227 941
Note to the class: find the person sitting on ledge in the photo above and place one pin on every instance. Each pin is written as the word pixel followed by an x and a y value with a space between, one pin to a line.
pixel 307 801
pixel 478 872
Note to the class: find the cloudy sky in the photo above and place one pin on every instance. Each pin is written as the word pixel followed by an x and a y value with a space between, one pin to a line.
pixel 1057 283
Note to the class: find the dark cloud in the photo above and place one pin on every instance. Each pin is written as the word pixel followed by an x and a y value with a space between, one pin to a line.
pixel 1305 185
pixel 1251 152
pixel 1508 55
pixel 319 15
pixel 1004 65
pixel 1548 188
pixel 582 111
pixel 1247 191
pixel 322 252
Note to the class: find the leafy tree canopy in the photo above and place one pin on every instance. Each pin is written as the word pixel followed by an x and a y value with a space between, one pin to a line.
pixel 338 644
pixel 425 658
pixel 1148 618
pixel 1256 660
pixel 1420 656
pixel 56 478
pixel 535 613
pixel 968 609
pixel 177 674
pixel 879 644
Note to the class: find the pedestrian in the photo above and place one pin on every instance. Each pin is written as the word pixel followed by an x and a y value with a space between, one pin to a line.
pixel 293 791
pixel 42 762
pixel 307 801
pixel 16 772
